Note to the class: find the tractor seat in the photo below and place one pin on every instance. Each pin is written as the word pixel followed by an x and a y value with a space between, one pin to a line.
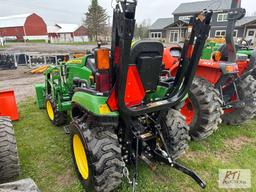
pixel 91 64
pixel 148 56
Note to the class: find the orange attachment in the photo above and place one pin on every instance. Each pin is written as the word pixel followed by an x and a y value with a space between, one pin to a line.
pixel 103 61
pixel 8 106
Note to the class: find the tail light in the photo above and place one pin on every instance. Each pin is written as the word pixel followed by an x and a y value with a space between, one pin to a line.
pixel 103 83
pixel 102 59
pixel 102 77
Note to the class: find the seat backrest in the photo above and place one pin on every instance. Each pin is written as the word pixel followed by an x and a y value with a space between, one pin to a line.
pixel 148 56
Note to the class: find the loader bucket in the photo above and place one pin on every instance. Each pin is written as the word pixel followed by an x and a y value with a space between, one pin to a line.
pixel 40 96
pixel 8 106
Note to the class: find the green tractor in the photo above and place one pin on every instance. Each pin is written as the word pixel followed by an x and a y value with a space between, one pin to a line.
pixel 120 110
pixel 242 48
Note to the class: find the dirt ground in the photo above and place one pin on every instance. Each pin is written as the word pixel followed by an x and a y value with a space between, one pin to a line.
pixel 21 81
pixel 46 48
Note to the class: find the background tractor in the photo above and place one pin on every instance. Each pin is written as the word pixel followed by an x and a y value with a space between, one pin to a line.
pixel 9 160
pixel 120 109
pixel 220 84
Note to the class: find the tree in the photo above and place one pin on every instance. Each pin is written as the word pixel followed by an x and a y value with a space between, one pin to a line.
pixel 141 30
pixel 96 20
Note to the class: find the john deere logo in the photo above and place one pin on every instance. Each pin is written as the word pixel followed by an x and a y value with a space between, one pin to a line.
pixel 235 178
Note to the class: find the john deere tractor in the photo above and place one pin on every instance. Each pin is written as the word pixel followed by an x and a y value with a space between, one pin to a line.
pixel 119 108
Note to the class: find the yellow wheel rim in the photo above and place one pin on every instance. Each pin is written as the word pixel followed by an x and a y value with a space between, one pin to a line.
pixel 80 157
pixel 50 110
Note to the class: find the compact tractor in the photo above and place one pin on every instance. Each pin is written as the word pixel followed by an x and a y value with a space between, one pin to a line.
pixel 121 110
pixel 220 84
pixel 9 160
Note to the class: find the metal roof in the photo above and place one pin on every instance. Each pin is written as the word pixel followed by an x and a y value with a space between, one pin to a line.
pixel 245 20
pixel 53 29
pixel 67 28
pixel 14 20
pixel 198 6
pixel 161 23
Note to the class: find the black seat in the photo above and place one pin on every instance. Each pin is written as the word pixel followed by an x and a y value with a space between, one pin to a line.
pixel 148 55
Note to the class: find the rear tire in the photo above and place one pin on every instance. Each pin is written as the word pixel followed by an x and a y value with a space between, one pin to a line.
pixel 179 137
pixel 246 90
pixel 105 164
pixel 207 107
pixel 9 160
pixel 56 117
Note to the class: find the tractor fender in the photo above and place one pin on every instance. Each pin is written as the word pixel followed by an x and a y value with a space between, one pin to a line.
pixel 169 60
pixel 94 104
pixel 244 75
pixel 206 69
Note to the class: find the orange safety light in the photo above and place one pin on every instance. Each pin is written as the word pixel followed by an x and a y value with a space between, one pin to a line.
pixel 102 58
pixel 217 56
pixel 231 68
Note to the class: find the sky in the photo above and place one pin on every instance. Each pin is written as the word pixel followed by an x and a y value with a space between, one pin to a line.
pixel 72 11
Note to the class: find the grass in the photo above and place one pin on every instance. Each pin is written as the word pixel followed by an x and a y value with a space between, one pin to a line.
pixel 45 157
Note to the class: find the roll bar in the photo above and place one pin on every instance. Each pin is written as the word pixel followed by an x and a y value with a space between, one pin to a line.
pixel 122 35
pixel 236 13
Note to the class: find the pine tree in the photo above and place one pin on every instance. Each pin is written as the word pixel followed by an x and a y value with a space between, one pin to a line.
pixel 96 20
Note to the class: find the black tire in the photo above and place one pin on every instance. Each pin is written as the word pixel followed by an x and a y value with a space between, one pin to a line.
pixel 104 157
pixel 207 106
pixel 252 64
pixel 178 139
pixel 9 160
pixel 246 90
pixel 59 118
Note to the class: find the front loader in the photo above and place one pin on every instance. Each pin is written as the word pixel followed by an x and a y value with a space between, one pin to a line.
pixel 121 111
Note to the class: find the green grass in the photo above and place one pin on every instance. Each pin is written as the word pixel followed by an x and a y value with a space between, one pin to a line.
pixel 45 157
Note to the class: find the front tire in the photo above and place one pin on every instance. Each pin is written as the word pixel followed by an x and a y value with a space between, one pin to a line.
pixel 202 110
pixel 246 90
pixel 178 139
pixel 101 157
pixel 56 117
pixel 9 160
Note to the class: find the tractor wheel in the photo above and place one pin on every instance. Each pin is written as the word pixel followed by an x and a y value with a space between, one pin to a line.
pixel 252 64
pixel 56 117
pixel 9 160
pixel 202 109
pixel 97 157
pixel 178 133
pixel 246 91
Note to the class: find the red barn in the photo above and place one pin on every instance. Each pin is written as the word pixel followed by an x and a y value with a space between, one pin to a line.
pixel 67 33
pixel 23 27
